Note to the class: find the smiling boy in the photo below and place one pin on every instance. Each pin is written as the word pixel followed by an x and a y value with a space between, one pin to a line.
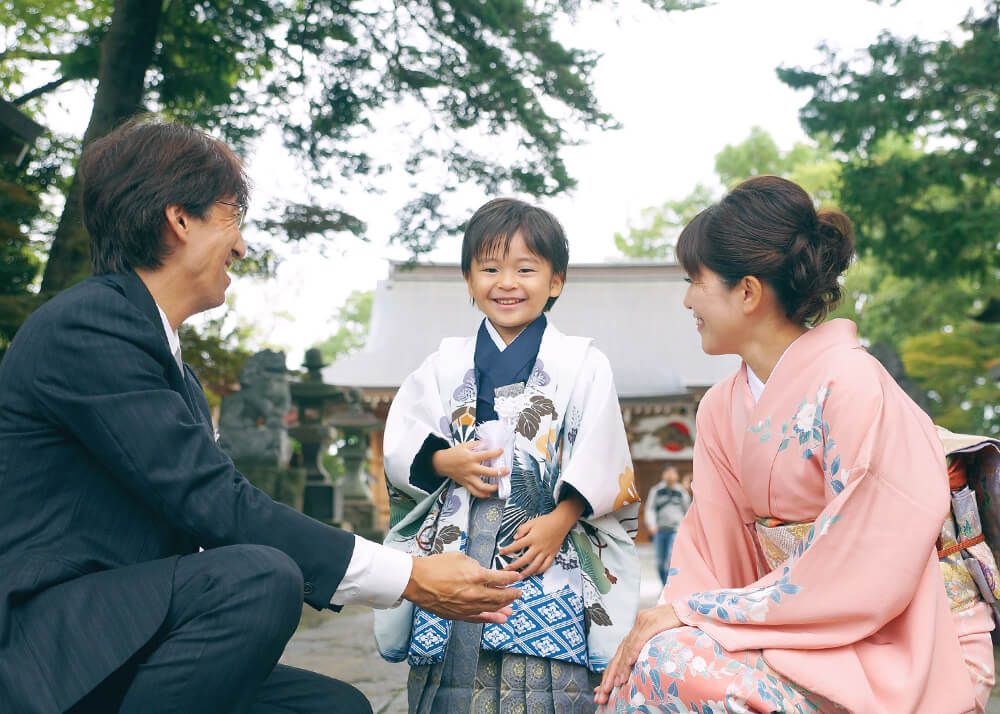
pixel 567 524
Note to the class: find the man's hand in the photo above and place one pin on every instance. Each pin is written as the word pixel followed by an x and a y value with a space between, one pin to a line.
pixel 649 623
pixel 456 587
pixel 541 537
pixel 463 465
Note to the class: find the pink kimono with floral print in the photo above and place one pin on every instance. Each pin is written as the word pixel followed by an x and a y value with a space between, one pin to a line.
pixel 858 613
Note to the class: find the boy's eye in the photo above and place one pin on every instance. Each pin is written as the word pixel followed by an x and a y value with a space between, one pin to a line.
pixel 527 270
pixel 489 270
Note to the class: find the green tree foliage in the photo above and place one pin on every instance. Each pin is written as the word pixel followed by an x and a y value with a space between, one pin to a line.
pixel 812 166
pixel 954 365
pixel 216 351
pixel 353 318
pixel 22 214
pixel 917 125
pixel 656 238
pixel 320 72
pixel 933 211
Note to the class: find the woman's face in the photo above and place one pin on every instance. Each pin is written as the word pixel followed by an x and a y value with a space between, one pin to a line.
pixel 718 312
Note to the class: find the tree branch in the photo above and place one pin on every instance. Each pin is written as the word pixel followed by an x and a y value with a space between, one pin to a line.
pixel 39 91
pixel 14 54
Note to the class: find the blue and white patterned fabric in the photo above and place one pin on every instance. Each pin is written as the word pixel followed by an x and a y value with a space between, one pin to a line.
pixel 429 639
pixel 549 625
pixel 548 618
pixel 544 625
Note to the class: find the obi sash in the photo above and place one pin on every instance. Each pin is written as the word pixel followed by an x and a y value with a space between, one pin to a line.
pixel 969 545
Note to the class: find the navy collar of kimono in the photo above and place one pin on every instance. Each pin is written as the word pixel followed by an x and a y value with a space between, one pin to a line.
pixel 498 369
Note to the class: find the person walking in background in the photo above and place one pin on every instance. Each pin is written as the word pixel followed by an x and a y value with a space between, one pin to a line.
pixel 666 505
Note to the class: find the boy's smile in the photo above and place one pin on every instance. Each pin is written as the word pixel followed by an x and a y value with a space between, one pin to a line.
pixel 512 289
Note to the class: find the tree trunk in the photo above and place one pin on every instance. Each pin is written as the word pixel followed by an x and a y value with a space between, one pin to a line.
pixel 126 53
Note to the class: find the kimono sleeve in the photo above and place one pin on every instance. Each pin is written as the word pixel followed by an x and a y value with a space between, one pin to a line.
pixel 855 571
pixel 597 461
pixel 415 428
pixel 714 547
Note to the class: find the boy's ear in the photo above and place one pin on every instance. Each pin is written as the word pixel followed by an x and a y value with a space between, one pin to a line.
pixel 556 284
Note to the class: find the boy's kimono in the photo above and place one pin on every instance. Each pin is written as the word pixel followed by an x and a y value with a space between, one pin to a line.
pixel 569 432
pixel 855 610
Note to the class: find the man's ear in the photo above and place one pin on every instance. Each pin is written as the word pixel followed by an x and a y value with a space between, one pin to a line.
pixel 178 221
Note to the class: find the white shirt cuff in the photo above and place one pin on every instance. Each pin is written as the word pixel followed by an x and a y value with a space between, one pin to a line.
pixel 376 576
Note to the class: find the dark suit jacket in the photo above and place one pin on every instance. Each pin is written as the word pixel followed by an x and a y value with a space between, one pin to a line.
pixel 108 472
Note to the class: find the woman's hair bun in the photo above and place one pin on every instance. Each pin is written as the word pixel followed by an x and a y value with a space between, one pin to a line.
pixel 818 255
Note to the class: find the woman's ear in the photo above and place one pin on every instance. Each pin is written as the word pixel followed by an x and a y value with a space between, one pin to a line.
pixel 753 292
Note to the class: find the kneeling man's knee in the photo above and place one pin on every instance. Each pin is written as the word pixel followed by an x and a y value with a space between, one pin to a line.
pixel 272 584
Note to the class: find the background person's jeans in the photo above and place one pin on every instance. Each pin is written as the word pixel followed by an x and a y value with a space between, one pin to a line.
pixel 664 542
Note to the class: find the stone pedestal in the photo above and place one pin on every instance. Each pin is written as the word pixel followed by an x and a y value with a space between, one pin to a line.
pixel 252 428
pixel 321 499
pixel 315 402
pixel 359 509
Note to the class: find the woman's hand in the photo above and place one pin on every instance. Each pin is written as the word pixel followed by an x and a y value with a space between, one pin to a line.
pixel 463 465
pixel 648 623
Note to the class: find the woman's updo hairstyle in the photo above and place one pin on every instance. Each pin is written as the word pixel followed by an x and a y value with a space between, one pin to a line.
pixel 768 227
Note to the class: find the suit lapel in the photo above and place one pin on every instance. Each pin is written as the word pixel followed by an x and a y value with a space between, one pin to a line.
pixel 196 395
pixel 135 292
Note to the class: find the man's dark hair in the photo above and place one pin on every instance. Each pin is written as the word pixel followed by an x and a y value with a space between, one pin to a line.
pixel 493 226
pixel 132 174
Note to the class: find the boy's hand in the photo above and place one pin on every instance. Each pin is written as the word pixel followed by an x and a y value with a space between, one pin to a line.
pixel 541 537
pixel 465 467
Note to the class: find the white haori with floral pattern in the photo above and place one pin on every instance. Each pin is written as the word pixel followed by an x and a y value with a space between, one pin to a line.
pixel 568 430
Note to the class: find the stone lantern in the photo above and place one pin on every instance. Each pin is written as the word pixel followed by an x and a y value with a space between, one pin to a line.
pixel 354 423
pixel 315 402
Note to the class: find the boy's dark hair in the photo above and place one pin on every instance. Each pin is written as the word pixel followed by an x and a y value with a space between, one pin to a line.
pixel 132 174
pixel 493 226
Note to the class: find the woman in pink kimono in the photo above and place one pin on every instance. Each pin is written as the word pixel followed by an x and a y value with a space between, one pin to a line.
pixel 805 576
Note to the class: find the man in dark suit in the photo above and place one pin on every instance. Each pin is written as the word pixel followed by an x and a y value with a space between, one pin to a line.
pixel 111 481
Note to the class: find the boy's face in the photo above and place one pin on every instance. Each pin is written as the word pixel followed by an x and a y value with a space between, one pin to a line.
pixel 512 289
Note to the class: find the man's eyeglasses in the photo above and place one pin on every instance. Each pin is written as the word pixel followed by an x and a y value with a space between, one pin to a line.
pixel 241 211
